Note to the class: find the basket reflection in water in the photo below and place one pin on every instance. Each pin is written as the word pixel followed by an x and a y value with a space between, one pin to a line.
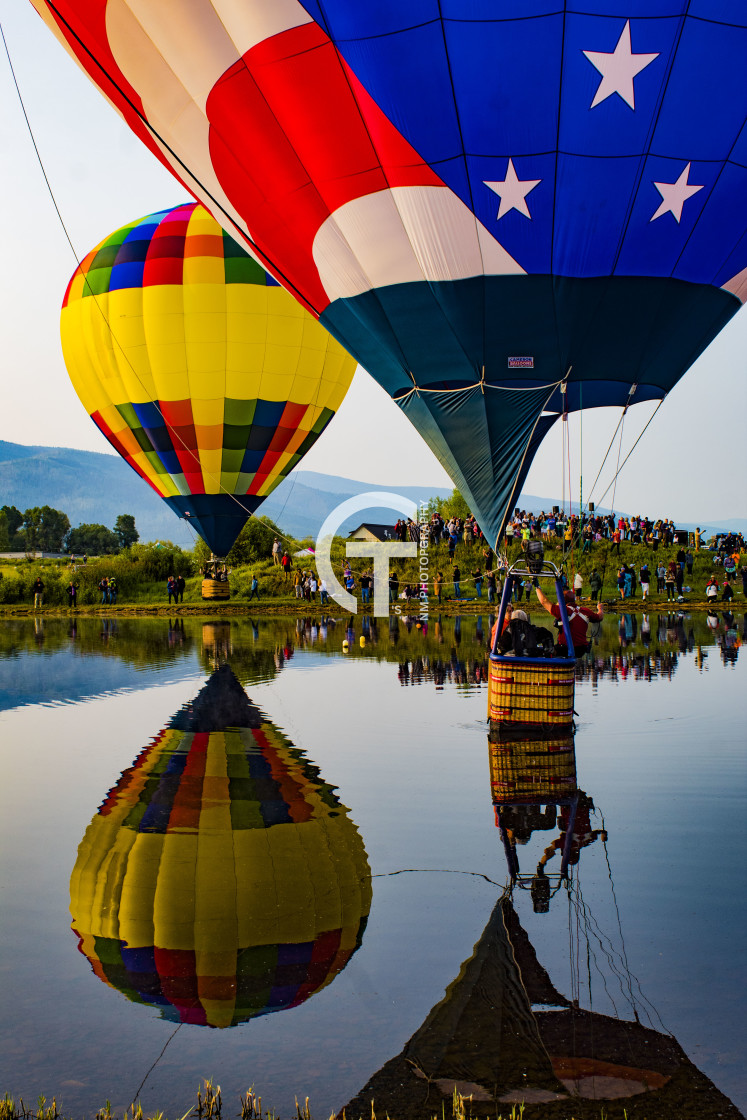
pixel 221 879
pixel 533 769
pixel 533 786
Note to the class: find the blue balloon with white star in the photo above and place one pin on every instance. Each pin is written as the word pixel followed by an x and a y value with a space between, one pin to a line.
pixel 599 150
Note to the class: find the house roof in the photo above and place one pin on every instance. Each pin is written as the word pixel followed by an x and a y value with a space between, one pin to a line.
pixel 381 532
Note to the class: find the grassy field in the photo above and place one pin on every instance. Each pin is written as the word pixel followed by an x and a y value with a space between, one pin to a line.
pixel 142 579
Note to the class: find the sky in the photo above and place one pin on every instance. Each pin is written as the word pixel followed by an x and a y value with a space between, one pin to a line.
pixel 688 466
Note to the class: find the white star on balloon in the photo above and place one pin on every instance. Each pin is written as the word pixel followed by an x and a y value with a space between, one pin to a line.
pixel 675 195
pixel 618 69
pixel 513 192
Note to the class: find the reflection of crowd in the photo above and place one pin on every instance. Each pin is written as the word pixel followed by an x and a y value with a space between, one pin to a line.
pixel 625 666
pixel 456 671
pixel 727 635
pixel 176 632
pixel 637 647
pixel 674 629
pixel 283 653
pixel 316 630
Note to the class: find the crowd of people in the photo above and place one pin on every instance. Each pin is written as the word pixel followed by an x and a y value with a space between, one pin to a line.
pixel 583 529
pixel 175 587
pixel 587 528
pixel 480 571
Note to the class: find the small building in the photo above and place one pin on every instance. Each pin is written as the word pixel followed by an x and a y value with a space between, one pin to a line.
pixel 370 532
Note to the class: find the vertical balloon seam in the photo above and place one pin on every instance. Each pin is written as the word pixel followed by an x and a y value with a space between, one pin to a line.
pixel 430 282
pixel 120 354
pixel 645 150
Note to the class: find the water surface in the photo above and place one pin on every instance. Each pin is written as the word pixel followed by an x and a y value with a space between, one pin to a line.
pixel 356 786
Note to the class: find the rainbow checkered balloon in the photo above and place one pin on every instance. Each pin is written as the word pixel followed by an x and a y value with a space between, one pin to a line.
pixel 206 376
pixel 221 878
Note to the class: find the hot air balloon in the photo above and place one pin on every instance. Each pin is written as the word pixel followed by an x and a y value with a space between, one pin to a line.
pixel 221 878
pixel 205 375
pixel 505 212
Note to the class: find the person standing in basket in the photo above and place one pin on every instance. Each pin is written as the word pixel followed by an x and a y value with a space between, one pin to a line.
pixel 578 620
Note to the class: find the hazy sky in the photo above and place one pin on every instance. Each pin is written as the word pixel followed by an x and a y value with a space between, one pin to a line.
pixel 689 465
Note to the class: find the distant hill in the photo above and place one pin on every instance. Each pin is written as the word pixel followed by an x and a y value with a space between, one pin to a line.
pixel 93 487
pixel 88 486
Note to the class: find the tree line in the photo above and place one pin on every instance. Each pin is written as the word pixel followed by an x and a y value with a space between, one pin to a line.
pixel 44 529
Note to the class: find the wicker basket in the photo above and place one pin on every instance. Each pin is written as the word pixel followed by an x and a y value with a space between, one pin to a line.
pixel 524 693
pixel 532 769
pixel 215 589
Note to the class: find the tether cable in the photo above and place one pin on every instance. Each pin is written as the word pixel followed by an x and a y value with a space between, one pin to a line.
pixel 640 437
pixel 617 470
pixel 628 972
pixel 606 455
pixel 101 311
pixel 146 124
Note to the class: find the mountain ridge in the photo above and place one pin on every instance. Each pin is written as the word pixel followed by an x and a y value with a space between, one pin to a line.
pixel 93 487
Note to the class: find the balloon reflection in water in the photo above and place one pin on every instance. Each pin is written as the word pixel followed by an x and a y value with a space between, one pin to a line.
pixel 221 879
pixel 503 1033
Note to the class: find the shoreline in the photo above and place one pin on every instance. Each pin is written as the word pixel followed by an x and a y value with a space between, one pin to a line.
pixel 295 609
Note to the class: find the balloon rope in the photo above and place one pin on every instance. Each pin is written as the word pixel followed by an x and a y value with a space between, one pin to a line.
pixel 150 1071
pixel 570 493
pixel 482 384
pixel 629 975
pixel 562 455
pixel 617 470
pixel 287 283
pixel 661 402
pixel 99 308
pixel 570 476
pixel 36 149
pixel 606 454
pixel 580 448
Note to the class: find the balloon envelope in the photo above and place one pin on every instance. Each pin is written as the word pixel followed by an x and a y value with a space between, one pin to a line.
pixel 504 211
pixel 207 376
pixel 221 879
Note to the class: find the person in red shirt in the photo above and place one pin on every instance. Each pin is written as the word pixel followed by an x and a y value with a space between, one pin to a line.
pixel 578 619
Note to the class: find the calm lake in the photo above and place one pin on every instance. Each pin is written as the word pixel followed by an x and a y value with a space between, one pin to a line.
pixel 232 849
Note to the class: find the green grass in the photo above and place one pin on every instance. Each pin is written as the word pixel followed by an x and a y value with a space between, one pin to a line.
pixel 142 584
